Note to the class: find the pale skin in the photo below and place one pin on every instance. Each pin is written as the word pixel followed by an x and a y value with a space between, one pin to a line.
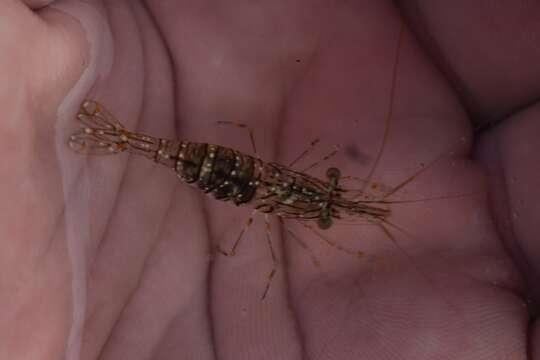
pixel 111 257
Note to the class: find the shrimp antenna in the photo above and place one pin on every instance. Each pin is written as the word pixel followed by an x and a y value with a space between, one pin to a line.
pixel 390 109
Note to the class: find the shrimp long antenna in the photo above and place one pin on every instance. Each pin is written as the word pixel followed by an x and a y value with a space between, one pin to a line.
pixel 411 201
pixel 402 184
pixel 390 109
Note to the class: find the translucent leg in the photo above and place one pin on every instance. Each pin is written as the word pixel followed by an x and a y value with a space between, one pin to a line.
pixel 232 252
pixel 268 231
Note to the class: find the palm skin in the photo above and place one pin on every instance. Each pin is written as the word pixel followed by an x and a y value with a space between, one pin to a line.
pixel 111 257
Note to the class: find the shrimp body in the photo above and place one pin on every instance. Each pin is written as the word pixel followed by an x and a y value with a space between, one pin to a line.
pixel 227 174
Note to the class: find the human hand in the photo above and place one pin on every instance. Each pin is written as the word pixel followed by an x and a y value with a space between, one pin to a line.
pixel 110 255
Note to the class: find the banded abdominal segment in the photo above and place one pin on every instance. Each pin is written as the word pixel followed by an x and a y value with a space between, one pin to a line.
pixel 228 174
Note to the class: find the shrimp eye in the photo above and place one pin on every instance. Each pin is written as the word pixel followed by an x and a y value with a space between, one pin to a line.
pixel 333 173
pixel 324 222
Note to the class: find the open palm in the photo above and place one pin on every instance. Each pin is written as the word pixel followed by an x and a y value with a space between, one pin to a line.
pixel 111 257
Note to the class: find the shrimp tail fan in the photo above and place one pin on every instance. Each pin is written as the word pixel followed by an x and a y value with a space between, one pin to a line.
pixel 102 134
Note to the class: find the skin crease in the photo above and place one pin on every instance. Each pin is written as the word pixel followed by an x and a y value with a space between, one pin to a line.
pixel 460 286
